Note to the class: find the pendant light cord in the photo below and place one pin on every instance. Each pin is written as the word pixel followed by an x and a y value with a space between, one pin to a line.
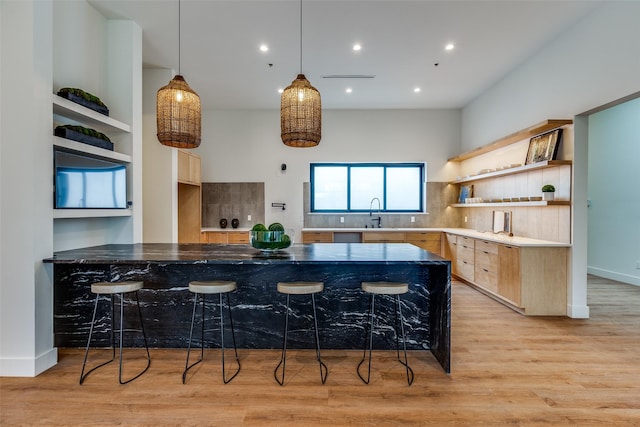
pixel 179 31
pixel 300 36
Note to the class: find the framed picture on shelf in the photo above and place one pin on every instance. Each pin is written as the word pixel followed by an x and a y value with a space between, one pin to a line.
pixel 544 147
pixel 466 191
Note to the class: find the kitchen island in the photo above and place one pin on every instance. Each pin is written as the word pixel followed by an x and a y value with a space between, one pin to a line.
pixel 258 309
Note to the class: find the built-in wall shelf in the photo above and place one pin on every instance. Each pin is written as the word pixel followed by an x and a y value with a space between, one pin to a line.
pixel 69 144
pixel 90 213
pixel 537 203
pixel 512 171
pixel 70 110
pixel 529 132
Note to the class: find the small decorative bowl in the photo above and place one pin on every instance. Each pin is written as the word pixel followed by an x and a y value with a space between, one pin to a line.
pixel 270 241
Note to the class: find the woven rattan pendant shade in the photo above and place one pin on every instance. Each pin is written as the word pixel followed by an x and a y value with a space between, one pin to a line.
pixel 300 114
pixel 178 115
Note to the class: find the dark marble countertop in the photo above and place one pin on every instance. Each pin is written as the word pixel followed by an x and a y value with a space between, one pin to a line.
pixel 327 253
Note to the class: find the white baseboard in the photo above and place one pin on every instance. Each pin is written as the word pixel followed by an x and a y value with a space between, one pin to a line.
pixel 578 311
pixel 28 366
pixel 619 277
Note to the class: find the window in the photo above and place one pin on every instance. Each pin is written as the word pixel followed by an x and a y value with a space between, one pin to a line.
pixel 352 187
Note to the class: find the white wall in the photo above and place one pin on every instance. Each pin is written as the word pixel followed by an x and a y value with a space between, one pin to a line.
pixel 159 166
pixel 614 212
pixel 102 57
pixel 35 35
pixel 593 63
pixel 245 146
pixel 26 295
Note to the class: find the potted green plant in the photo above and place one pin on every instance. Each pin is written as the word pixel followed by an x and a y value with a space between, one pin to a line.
pixel 548 192
pixel 84 135
pixel 83 98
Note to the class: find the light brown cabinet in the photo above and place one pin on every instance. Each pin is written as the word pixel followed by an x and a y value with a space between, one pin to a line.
pixel 429 241
pixel 189 198
pixel 189 168
pixel 509 280
pixel 486 265
pixel 450 250
pixel 383 237
pixel 465 255
pixel 531 280
pixel 317 237
pixel 225 237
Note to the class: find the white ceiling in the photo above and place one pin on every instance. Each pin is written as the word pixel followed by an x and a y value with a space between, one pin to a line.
pixel 401 43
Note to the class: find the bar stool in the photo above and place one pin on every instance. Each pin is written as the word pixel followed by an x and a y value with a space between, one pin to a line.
pixel 385 288
pixel 111 289
pixel 300 288
pixel 202 289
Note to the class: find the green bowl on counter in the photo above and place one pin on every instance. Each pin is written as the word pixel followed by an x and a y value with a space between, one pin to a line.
pixel 270 241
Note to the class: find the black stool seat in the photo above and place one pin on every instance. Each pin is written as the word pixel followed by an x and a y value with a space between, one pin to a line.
pixel 111 289
pixel 385 288
pixel 300 288
pixel 202 288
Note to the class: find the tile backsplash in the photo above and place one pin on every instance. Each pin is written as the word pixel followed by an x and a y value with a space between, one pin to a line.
pixel 232 200
pixel 439 196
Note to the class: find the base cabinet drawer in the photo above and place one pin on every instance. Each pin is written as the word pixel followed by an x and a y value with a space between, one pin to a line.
pixel 238 237
pixel 465 270
pixel 317 237
pixel 486 278
pixel 427 241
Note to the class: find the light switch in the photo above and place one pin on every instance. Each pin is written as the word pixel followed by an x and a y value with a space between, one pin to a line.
pixel 248 217
pixel 341 219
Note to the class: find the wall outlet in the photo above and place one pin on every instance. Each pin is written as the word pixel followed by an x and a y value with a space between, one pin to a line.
pixel 413 219
pixel 465 218
pixel 638 265
pixel 341 220
pixel 248 217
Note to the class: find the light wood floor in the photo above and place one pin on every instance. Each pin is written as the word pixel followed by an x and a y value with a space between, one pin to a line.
pixel 507 370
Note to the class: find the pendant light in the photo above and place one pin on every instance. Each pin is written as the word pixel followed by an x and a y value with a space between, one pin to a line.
pixel 178 112
pixel 300 110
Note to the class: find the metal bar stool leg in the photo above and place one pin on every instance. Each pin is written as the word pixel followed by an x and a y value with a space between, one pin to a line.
pixel 235 348
pixel 144 336
pixel 86 353
pixel 283 357
pixel 369 338
pixel 410 375
pixel 193 318
pixel 315 325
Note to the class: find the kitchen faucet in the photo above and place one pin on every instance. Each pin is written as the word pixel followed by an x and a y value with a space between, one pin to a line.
pixel 378 219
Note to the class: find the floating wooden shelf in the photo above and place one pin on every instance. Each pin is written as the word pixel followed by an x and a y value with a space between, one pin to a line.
pixel 489 205
pixel 529 132
pixel 512 171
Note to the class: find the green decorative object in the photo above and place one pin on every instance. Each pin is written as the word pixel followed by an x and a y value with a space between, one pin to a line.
pixel 83 98
pixel 84 135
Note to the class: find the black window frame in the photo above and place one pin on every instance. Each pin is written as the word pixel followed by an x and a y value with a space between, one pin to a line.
pixel 383 207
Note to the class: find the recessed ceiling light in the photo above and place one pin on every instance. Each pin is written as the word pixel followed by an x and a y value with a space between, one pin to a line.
pixel 449 46
pixel 357 47
pixel 417 89
pixel 264 48
pixel 348 90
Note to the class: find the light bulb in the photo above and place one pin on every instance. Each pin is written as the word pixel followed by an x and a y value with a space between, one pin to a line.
pixel 179 96
pixel 300 95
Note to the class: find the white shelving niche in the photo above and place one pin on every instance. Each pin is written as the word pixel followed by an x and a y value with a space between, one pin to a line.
pixel 67 112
